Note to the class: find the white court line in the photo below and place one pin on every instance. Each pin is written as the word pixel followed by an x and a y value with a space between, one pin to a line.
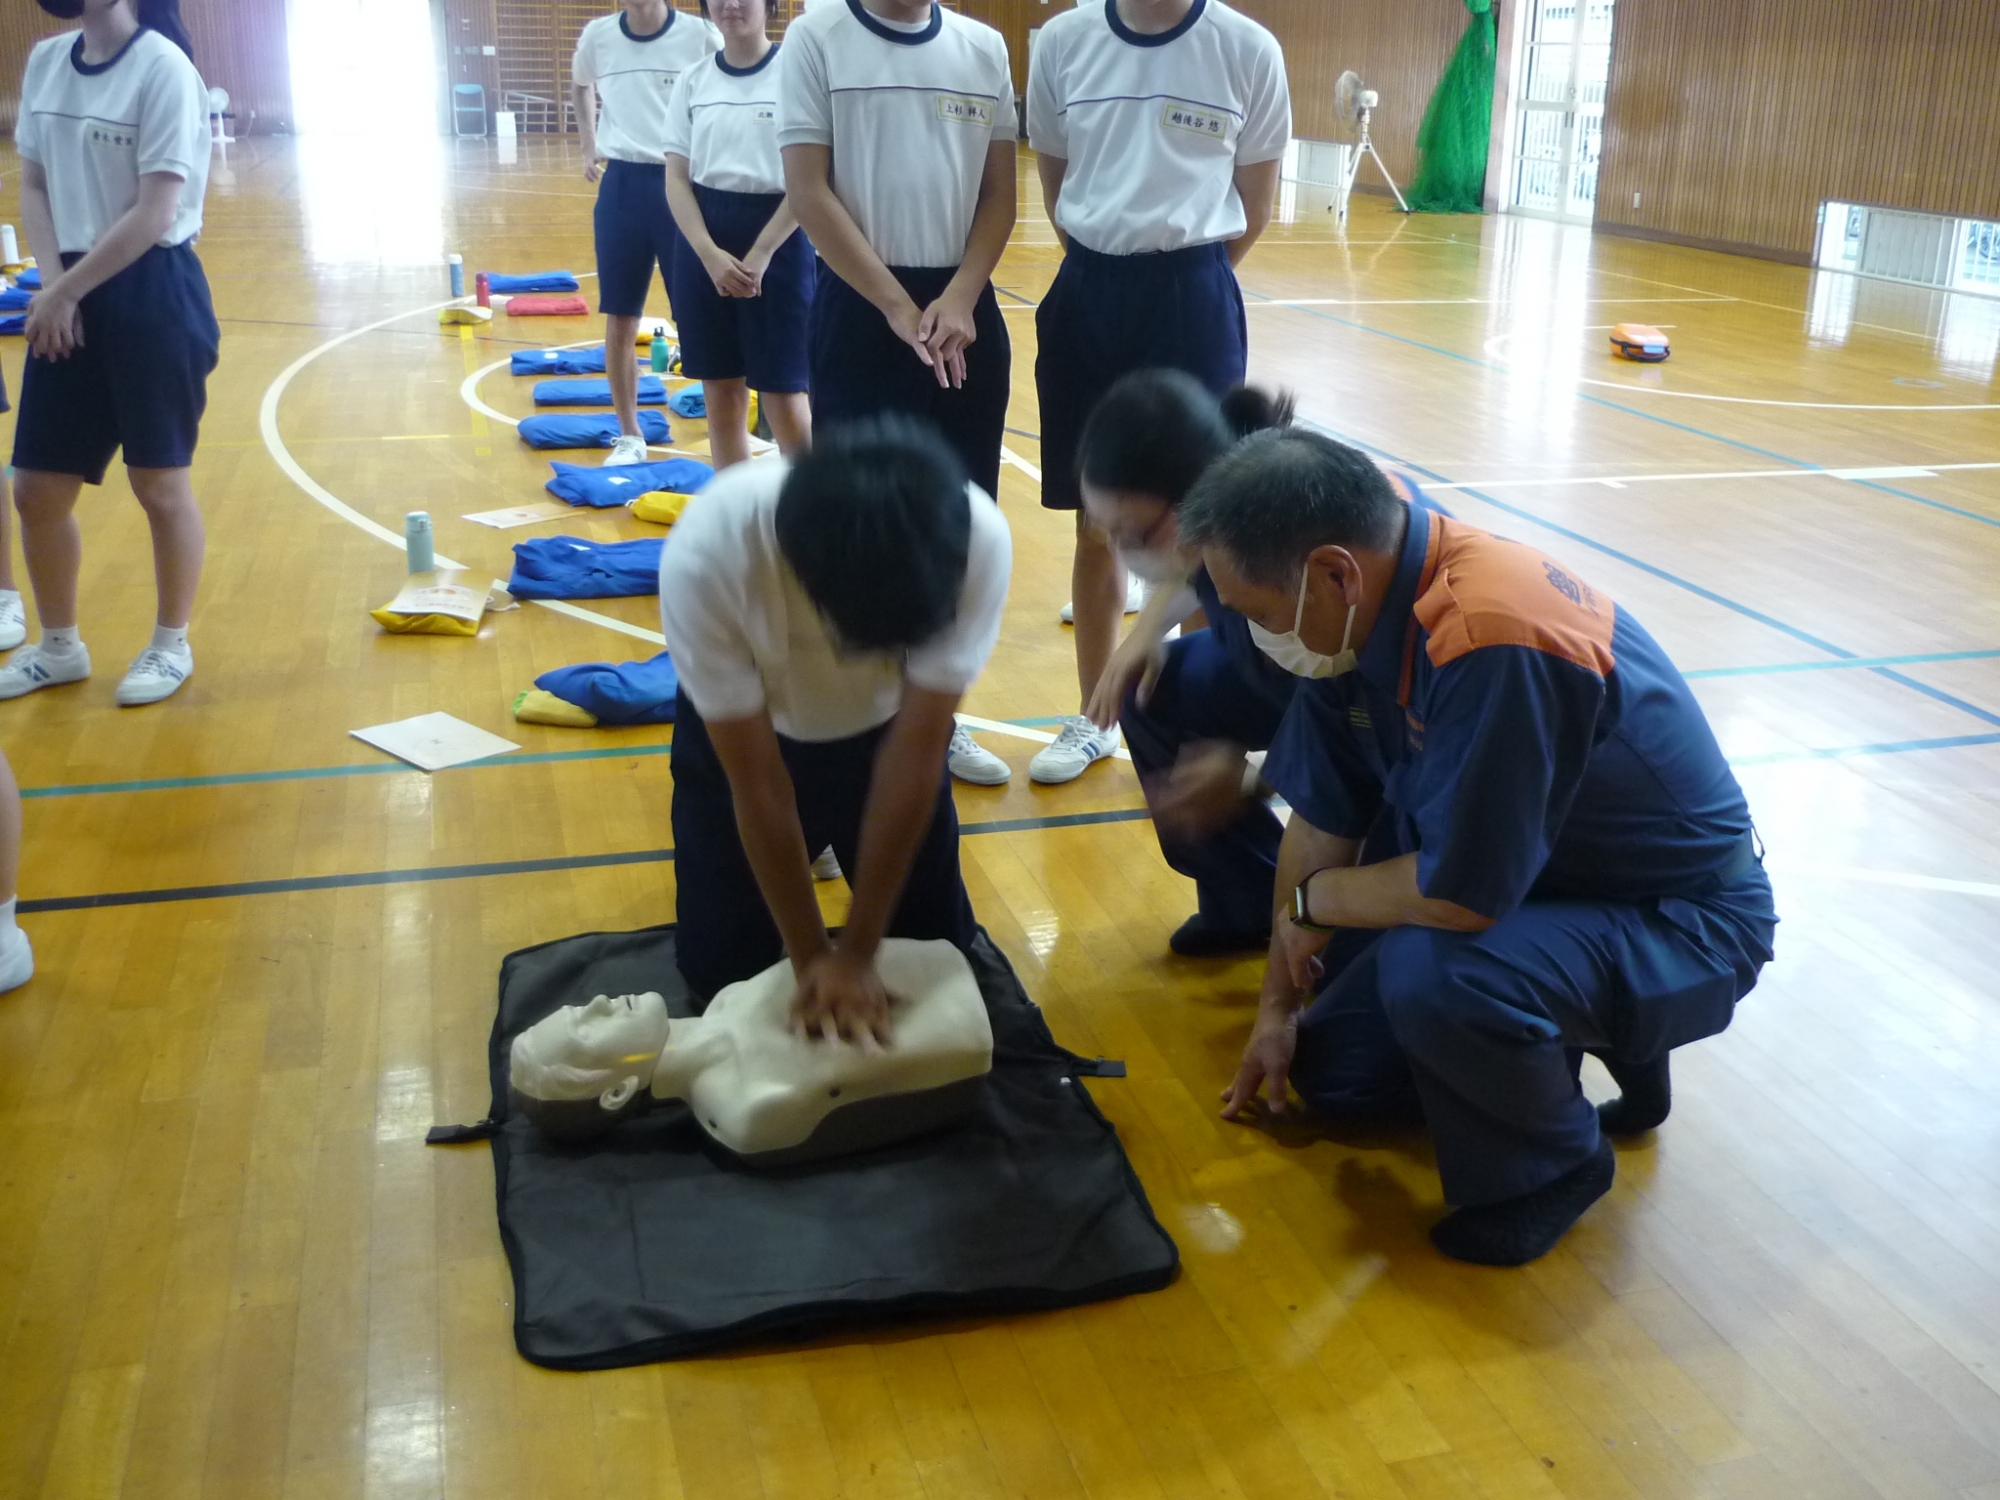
pixel 1887 877
pixel 274 443
pixel 1261 301
pixel 1619 481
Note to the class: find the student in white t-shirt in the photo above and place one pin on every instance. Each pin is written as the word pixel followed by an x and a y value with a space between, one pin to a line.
pixel 816 705
pixel 113 136
pixel 743 272
pixel 897 123
pixel 623 73
pixel 1158 128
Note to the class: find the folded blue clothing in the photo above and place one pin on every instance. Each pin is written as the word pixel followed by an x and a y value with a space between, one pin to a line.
pixel 688 401
pixel 567 429
pixel 590 485
pixel 558 361
pixel 531 281
pixel 652 392
pixel 624 692
pixel 30 278
pixel 14 298
pixel 568 567
pixel 13 323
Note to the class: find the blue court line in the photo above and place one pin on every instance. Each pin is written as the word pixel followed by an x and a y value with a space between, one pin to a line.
pixel 1941 696
pixel 481 871
pixel 1842 752
pixel 1632 411
pixel 1871 662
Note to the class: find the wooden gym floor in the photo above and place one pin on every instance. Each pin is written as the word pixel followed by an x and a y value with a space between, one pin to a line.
pixel 229 1266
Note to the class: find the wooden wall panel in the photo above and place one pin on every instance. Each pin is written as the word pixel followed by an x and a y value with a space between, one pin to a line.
pixel 1734 119
pixel 238 45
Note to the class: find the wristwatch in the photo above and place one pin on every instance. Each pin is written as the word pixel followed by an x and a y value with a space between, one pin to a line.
pixel 1302 909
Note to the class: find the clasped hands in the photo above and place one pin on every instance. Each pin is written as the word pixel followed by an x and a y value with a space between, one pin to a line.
pixel 940 334
pixel 55 323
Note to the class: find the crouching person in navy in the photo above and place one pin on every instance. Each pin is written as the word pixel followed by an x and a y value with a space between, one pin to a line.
pixel 1514 839
pixel 816 706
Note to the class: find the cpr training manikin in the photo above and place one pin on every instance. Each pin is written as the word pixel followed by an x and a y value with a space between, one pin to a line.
pixel 768 1095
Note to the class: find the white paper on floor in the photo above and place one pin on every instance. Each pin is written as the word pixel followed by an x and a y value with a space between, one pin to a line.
pixel 520 515
pixel 432 742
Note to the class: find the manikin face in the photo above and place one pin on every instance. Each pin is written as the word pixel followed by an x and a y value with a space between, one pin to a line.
pixel 581 1051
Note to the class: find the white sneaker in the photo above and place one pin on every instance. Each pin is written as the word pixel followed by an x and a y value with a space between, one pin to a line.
pixel 827 866
pixel 971 761
pixel 17 960
pixel 1080 744
pixel 155 675
pixel 627 450
pixel 1135 599
pixel 37 667
pixel 13 623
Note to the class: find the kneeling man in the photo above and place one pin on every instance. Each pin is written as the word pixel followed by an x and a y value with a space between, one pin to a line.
pixel 825 617
pixel 1514 839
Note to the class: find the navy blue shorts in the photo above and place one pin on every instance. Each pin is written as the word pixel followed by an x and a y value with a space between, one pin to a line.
pixel 860 367
pixel 635 231
pixel 759 339
pixel 139 381
pixel 1108 315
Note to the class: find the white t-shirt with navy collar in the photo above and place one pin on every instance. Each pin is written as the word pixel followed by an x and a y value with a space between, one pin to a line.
pixel 96 128
pixel 909 112
pixel 724 120
pixel 1154 127
pixel 746 639
pixel 635 76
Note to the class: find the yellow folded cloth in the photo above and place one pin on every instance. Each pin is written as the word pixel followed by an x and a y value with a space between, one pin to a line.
pixel 449 315
pixel 397 624
pixel 661 507
pixel 533 706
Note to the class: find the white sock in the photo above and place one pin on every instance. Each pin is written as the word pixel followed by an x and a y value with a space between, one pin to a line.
pixel 165 638
pixel 14 594
pixel 61 639
pixel 7 915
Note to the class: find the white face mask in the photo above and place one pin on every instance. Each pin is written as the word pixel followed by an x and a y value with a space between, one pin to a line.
pixel 1154 564
pixel 1294 655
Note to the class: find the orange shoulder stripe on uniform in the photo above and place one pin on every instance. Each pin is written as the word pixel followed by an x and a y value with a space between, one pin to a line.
pixel 1486 591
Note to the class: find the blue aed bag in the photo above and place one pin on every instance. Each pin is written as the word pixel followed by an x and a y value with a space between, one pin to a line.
pixel 604 488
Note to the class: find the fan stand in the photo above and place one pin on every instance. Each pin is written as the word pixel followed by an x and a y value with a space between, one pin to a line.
pixel 1365 147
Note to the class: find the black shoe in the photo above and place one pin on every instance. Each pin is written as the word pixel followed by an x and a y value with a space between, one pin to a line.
pixel 1197 937
pixel 1518 1230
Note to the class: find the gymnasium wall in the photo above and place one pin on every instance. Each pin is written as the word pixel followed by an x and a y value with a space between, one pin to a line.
pixel 238 45
pixel 1735 119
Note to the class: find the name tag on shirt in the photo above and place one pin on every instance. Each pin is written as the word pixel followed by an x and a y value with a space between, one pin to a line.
pixel 764 112
pixel 116 137
pixel 965 109
pixel 1180 115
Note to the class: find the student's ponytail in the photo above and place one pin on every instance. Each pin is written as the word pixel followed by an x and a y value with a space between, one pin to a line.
pixel 164 16
pixel 1248 409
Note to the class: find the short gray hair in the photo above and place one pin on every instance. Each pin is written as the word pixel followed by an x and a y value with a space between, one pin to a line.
pixel 1277 495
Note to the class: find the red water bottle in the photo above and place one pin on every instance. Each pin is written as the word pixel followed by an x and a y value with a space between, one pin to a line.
pixel 482 290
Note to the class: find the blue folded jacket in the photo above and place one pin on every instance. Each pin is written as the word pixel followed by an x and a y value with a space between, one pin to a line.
pixel 30 278
pixel 14 323
pixel 625 692
pixel 689 401
pixel 558 361
pixel 568 567
pixel 604 488
pixel 531 281
pixel 14 298
pixel 652 392
pixel 566 429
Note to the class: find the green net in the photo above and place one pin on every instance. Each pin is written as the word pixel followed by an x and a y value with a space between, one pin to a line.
pixel 1458 125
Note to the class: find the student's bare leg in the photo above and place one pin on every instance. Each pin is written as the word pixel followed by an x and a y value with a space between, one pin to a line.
pixel 51 544
pixel 728 403
pixel 1097 600
pixel 179 538
pixel 621 337
pixel 790 416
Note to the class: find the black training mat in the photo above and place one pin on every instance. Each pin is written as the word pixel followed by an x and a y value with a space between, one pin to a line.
pixel 648 1244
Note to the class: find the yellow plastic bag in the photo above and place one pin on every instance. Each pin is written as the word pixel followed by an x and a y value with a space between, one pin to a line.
pixel 534 706
pixel 661 507
pixel 397 624
pixel 450 315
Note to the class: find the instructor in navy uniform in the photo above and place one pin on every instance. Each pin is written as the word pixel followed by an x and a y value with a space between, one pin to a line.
pixel 1514 839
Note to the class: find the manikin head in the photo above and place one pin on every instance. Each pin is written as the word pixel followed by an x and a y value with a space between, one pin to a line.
pixel 578 1069
pixel 874 522
pixel 1301 535
pixel 1145 445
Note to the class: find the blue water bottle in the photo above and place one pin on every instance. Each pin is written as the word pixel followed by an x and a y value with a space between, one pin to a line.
pixel 457 264
pixel 417 541
pixel 660 352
